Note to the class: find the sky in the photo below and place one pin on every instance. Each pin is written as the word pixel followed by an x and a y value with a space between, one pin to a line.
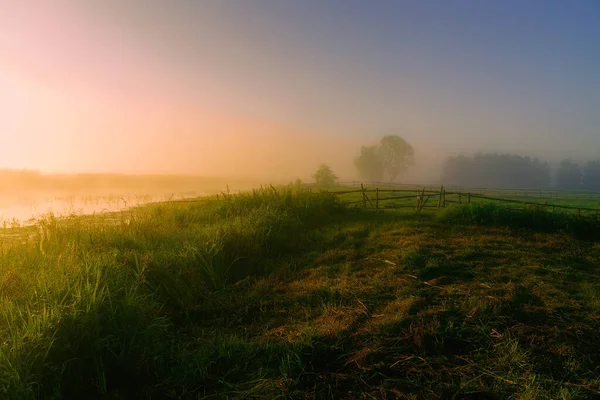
pixel 275 87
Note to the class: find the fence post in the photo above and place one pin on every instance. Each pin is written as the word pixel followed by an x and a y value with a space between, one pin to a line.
pixel 362 188
pixel 440 199
pixel 377 198
pixel 460 198
pixel 469 197
pixel 444 198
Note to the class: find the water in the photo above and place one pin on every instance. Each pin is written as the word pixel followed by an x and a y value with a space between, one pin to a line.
pixel 24 209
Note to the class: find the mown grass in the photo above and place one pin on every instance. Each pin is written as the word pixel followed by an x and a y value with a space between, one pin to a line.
pixel 282 294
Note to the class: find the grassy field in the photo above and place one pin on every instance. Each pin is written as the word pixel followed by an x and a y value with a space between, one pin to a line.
pixel 281 294
pixel 575 199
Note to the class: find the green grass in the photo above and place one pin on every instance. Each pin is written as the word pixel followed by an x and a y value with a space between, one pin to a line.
pixel 576 199
pixel 289 294
pixel 557 202
pixel 530 216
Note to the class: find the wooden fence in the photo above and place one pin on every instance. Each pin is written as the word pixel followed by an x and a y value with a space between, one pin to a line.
pixel 373 198
pixel 553 194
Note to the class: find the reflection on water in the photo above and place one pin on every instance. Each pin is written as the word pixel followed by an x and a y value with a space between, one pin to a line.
pixel 23 209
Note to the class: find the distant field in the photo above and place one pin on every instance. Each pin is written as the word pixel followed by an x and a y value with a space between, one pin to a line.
pixel 291 294
pixel 562 198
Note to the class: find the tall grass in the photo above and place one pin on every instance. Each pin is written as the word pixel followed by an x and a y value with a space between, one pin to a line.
pixel 92 306
pixel 585 226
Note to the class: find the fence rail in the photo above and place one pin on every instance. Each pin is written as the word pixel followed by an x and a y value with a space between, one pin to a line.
pixel 474 188
pixel 424 195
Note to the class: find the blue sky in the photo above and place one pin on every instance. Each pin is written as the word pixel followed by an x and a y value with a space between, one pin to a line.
pixel 532 64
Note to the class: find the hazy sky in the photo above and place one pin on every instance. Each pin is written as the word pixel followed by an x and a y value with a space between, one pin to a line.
pixel 253 86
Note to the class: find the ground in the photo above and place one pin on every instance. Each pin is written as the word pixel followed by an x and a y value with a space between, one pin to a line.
pixel 291 295
pixel 400 306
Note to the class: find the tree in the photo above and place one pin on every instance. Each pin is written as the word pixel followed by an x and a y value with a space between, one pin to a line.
pixel 392 156
pixel 541 177
pixel 459 171
pixel 369 164
pixel 509 171
pixel 591 175
pixel 324 177
pixel 396 155
pixel 568 175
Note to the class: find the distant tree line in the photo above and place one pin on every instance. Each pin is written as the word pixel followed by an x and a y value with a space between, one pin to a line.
pixel 518 172
pixel 496 170
pixel 572 176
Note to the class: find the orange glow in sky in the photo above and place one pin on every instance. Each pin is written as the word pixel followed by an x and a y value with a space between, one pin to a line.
pixel 79 95
pixel 234 88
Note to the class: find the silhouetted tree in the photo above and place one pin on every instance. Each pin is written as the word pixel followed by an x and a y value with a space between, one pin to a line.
pixel 591 175
pixel 324 177
pixel 568 176
pixel 369 164
pixel 392 156
pixel 396 155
